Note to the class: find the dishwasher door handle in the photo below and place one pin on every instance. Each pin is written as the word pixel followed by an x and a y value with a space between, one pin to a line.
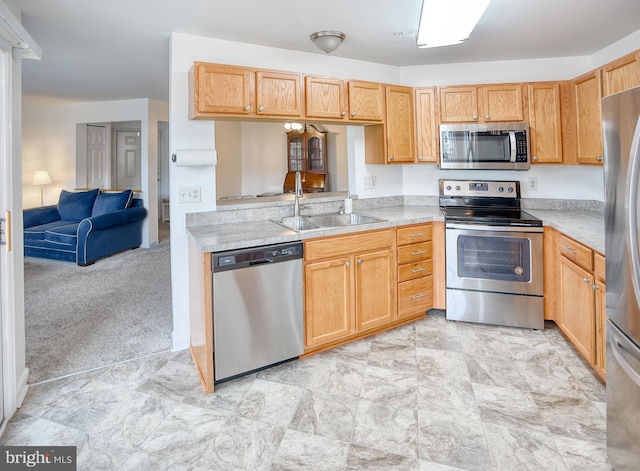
pixel 261 261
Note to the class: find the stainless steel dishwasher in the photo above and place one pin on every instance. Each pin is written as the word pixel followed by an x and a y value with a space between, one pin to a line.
pixel 257 308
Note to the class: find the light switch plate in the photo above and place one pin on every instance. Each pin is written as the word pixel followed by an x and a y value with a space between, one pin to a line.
pixel 189 194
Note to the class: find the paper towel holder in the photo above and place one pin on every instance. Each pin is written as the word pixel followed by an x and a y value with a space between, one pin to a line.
pixel 194 157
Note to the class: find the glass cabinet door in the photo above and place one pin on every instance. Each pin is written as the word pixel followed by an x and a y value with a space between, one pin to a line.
pixel 307 150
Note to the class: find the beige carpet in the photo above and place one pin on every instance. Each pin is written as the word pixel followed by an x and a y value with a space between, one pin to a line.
pixel 81 318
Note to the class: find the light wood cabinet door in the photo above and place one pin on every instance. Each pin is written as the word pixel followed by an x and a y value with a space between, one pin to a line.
pixel 426 125
pixel 325 98
pixel 545 122
pixel 588 94
pixel 366 101
pixel 399 124
pixel 221 89
pixel 578 308
pixel 278 93
pixel 502 102
pixel 621 74
pixel 374 291
pixel 328 300
pixel 458 104
pixel 600 291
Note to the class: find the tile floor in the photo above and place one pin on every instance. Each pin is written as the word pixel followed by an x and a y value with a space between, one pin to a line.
pixel 429 396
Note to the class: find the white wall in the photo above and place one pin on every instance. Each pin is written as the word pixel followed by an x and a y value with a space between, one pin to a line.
pixel 49 137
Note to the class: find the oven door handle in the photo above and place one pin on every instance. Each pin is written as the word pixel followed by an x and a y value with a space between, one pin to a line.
pixel 484 227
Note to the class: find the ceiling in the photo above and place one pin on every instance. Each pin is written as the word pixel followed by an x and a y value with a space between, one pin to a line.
pixel 119 49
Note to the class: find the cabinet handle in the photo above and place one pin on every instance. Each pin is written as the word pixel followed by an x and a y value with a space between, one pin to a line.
pixel 344 113
pixel 348 264
pixel 598 159
pixel 594 287
pixel 391 157
pixel 247 108
pixel 418 296
pixel 353 114
pixel 419 252
pixel 418 270
pixel 586 280
pixel 568 250
pixel 419 234
pixel 535 158
pixel 261 108
pixel 359 260
pixel 487 116
pixel 475 116
pixel 420 157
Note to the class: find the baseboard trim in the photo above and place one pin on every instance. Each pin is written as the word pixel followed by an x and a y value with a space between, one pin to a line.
pixel 22 387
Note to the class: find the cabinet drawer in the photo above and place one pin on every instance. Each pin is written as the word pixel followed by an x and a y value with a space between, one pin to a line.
pixel 414 252
pixel 413 234
pixel 346 245
pixel 415 296
pixel 415 270
pixel 599 266
pixel 575 251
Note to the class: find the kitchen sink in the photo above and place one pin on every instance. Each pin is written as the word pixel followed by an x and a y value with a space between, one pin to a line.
pixel 323 221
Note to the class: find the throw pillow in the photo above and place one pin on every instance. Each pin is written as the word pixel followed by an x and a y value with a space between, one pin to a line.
pixel 110 202
pixel 76 206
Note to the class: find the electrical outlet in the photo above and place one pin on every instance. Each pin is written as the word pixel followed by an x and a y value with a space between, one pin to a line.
pixel 190 194
pixel 369 183
pixel 533 183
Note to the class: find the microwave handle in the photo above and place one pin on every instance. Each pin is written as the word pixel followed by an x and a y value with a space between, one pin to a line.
pixel 514 150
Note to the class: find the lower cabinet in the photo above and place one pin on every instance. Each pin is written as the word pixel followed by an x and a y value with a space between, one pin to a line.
pixel 349 285
pixel 581 299
pixel 415 269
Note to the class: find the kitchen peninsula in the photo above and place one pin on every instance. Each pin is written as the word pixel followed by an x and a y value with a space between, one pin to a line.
pixel 246 223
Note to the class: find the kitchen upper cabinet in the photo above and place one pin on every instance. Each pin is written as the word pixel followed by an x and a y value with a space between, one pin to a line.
pixel 621 74
pixel 366 101
pixel 588 95
pixel 545 122
pixel 426 125
pixel 225 90
pixel 399 124
pixel 221 89
pixel 349 286
pixel 325 98
pixel 392 142
pixel 484 103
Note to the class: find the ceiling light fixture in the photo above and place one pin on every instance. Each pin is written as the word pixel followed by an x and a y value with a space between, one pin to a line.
pixel 327 41
pixel 446 22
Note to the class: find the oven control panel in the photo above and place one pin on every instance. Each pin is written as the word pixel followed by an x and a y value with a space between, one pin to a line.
pixel 483 188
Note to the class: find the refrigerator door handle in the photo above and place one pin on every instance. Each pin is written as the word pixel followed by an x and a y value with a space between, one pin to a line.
pixel 621 348
pixel 632 209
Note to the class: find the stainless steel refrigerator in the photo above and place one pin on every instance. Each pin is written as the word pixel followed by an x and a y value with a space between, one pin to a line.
pixel 621 134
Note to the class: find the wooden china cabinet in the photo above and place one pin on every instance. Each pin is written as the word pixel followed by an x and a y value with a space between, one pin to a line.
pixel 307 150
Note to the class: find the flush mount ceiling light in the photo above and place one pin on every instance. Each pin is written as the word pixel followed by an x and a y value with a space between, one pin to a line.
pixel 327 41
pixel 446 22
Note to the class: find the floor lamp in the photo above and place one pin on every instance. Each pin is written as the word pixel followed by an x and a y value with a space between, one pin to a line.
pixel 41 178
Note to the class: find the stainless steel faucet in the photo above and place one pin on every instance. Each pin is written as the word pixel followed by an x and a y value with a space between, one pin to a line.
pixel 298 195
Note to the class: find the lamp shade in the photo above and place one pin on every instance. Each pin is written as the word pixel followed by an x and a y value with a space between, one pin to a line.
pixel 327 41
pixel 41 177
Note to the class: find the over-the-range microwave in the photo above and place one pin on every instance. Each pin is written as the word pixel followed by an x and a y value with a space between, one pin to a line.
pixel 494 146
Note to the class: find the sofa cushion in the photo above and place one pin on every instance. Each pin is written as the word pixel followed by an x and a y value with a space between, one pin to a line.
pixel 110 202
pixel 63 234
pixel 75 206
pixel 38 232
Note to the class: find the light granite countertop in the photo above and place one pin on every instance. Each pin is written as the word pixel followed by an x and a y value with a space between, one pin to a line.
pixel 586 227
pixel 219 237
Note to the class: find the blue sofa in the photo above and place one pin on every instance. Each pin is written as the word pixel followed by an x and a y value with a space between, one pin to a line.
pixel 84 226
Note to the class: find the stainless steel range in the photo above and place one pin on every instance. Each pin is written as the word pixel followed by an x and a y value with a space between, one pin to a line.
pixel 493 254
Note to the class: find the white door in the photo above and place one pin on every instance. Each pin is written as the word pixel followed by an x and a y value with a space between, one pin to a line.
pixel 96 157
pixel 128 160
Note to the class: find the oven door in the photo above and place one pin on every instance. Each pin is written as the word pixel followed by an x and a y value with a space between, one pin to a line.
pixel 499 259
